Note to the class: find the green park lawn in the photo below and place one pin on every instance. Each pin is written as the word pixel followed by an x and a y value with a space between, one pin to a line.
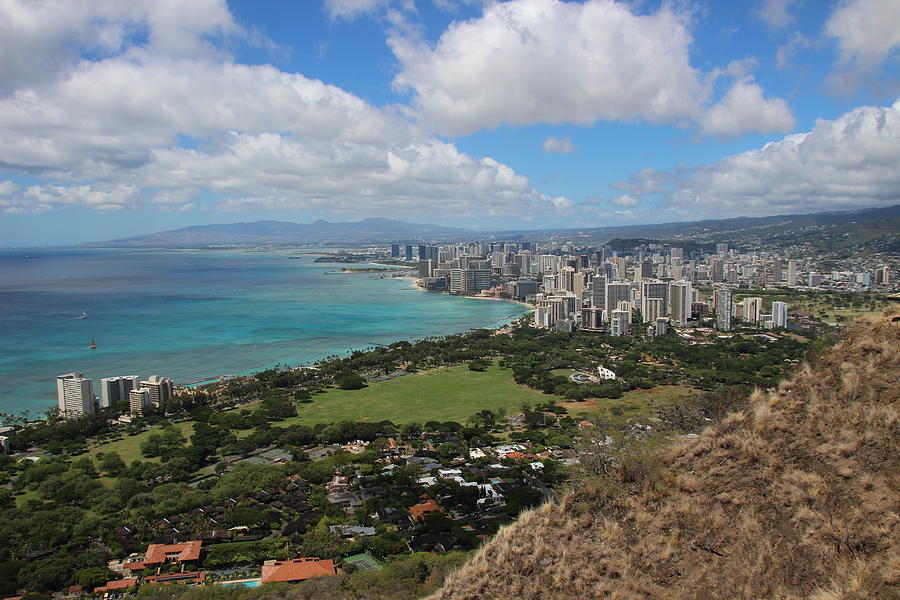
pixel 447 394
pixel 129 447
pixel 563 372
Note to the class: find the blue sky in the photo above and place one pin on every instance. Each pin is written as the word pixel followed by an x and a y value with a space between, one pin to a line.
pixel 124 118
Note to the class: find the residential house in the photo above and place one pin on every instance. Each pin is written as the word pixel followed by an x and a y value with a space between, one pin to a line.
pixel 117 586
pixel 423 509
pixel 299 569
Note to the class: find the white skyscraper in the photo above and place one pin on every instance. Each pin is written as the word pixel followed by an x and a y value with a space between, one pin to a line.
pixel 792 273
pixel 139 400
pixel 161 389
pixel 723 309
pixel 566 280
pixel 779 314
pixel 681 295
pixel 651 309
pixel 75 395
pixel 752 310
pixel 619 322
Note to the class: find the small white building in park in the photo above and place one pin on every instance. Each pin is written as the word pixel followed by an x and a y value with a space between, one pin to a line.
pixel 605 373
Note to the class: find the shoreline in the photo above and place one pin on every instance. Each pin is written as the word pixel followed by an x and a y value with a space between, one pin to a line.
pixel 417 285
pixel 36 392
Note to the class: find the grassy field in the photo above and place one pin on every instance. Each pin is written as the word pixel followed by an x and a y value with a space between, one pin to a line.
pixel 448 394
pixel 630 405
pixel 129 447
pixel 563 372
pixel 830 314
pixel 822 305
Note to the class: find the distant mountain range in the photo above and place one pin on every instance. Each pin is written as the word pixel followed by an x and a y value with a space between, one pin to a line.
pixel 732 229
pixel 285 232
pixel 851 227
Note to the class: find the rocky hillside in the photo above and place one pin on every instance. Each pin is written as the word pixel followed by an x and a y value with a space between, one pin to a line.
pixel 796 497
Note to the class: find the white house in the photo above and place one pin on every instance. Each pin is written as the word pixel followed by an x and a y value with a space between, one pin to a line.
pixel 605 373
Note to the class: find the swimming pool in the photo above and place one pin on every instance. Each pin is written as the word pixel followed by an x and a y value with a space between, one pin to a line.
pixel 243 582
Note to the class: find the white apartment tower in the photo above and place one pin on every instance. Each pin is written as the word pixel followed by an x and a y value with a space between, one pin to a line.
pixel 75 395
pixel 619 322
pixel 139 400
pixel 161 389
pixel 792 273
pixel 779 314
pixel 651 309
pixel 723 309
pixel 681 295
pixel 752 310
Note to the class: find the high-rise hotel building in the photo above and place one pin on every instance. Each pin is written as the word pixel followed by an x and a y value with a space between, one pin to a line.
pixel 161 389
pixel 75 395
pixel 114 390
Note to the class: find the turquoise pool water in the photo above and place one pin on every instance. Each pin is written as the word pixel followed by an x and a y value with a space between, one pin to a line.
pixel 243 582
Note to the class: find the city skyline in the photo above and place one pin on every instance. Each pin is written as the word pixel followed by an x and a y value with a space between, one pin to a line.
pixel 511 114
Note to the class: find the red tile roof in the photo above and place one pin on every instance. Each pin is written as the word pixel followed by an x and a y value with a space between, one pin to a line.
pixel 297 569
pixel 118 584
pixel 160 553
pixel 187 577
pixel 137 565
pixel 418 511
pixel 515 455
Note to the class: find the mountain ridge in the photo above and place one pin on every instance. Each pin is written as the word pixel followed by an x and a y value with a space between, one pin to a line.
pixel 381 230
pixel 282 232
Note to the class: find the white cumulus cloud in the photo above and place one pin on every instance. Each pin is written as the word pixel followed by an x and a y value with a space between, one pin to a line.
pixel 849 162
pixel 745 109
pixel 530 61
pixel 867 34
pixel 625 200
pixel 350 9
pixel 42 38
pixel 44 198
pixel 776 13
pixel 160 121
pixel 867 30
pixel 557 145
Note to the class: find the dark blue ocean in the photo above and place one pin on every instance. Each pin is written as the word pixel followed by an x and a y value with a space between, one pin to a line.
pixel 194 314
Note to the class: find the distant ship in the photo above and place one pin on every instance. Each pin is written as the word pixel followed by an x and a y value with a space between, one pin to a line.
pixel 83 316
pixel 93 345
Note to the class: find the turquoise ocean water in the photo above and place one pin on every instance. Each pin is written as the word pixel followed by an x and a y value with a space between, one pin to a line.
pixel 194 314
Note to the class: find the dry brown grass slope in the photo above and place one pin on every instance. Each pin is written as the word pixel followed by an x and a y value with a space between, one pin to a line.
pixel 796 497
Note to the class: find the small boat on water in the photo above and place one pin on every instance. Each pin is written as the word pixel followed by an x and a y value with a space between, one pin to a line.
pixel 93 345
pixel 83 316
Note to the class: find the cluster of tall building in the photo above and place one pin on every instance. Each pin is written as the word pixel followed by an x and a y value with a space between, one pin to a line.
pixel 587 300
pixel 76 397
pixel 599 289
